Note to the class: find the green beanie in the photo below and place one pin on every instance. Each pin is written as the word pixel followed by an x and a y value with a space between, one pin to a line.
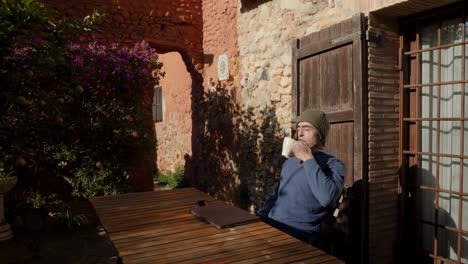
pixel 319 120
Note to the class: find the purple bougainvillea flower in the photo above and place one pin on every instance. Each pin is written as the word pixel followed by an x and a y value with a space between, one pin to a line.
pixel 37 41
pixel 134 134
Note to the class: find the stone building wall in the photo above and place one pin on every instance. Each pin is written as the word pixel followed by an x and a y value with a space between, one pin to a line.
pixel 266 33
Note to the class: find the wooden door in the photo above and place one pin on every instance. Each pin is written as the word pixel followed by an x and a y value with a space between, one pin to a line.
pixel 328 75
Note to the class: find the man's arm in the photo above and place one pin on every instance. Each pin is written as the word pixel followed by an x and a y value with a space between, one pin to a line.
pixel 263 212
pixel 325 188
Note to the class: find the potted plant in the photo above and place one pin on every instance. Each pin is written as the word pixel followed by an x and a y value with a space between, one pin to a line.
pixel 7 182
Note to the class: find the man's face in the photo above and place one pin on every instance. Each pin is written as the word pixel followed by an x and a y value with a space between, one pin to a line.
pixel 308 134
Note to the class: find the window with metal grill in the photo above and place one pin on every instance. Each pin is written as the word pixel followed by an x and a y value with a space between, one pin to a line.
pixel 434 122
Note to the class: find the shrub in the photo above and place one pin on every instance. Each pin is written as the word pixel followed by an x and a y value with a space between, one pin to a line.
pixel 71 114
pixel 173 179
pixel 67 219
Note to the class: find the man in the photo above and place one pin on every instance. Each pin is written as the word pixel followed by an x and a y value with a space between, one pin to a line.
pixel 309 184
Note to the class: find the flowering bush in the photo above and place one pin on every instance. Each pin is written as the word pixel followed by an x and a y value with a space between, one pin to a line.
pixel 74 117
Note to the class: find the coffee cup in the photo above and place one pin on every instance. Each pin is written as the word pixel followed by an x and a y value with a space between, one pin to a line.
pixel 288 144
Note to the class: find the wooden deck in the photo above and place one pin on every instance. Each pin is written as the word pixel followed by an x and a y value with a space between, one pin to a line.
pixel 157 227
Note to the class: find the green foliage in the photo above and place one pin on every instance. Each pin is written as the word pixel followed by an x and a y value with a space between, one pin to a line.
pixel 5 173
pixel 75 119
pixel 173 179
pixel 66 218
pixel 38 200
pixel 19 17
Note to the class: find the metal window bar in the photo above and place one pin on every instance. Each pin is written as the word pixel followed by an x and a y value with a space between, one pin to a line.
pixel 436 196
pixel 417 79
pixel 439 260
pixel 416 119
pixel 419 85
pixel 423 187
pixel 438 47
pixel 442 226
pixel 462 150
pixel 419 153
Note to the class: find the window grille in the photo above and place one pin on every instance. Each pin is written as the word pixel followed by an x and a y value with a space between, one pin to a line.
pixel 434 150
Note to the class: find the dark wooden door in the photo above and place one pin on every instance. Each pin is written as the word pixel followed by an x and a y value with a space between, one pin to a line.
pixel 328 76
pixel 328 68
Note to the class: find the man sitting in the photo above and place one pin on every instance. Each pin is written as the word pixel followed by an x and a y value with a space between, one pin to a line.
pixel 310 182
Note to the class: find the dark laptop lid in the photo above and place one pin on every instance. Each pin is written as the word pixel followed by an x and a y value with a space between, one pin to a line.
pixel 223 215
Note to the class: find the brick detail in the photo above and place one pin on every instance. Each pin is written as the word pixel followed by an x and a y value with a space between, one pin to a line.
pixel 383 138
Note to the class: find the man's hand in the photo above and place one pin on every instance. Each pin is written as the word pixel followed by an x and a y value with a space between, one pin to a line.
pixel 302 151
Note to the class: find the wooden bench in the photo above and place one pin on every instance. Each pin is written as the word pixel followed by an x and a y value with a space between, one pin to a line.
pixel 157 227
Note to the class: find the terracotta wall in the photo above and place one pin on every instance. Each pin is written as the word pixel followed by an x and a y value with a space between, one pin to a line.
pixel 167 24
pixel 213 130
pixel 220 37
pixel 173 134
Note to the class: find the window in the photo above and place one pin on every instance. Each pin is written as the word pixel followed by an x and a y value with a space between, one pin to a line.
pixel 435 131
pixel 157 104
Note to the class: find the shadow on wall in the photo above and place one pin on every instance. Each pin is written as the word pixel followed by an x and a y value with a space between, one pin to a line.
pixel 419 204
pixel 239 160
pixel 247 5
pixel 340 233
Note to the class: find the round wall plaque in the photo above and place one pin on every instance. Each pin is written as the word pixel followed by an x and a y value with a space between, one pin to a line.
pixel 223 67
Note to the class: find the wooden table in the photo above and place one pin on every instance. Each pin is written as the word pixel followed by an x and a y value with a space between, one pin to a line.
pixel 157 227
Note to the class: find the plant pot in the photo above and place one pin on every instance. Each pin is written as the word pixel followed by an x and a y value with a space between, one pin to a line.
pixel 6 184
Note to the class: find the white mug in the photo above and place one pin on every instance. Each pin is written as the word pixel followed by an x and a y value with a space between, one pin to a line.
pixel 288 144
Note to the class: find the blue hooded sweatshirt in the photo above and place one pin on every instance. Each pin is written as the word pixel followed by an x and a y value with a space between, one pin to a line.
pixel 306 192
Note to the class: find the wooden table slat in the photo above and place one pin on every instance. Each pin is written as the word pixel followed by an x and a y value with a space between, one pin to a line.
pixel 218 252
pixel 209 237
pixel 187 251
pixel 258 251
pixel 275 257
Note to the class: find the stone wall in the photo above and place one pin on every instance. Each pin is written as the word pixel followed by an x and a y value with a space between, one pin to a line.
pixel 266 32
